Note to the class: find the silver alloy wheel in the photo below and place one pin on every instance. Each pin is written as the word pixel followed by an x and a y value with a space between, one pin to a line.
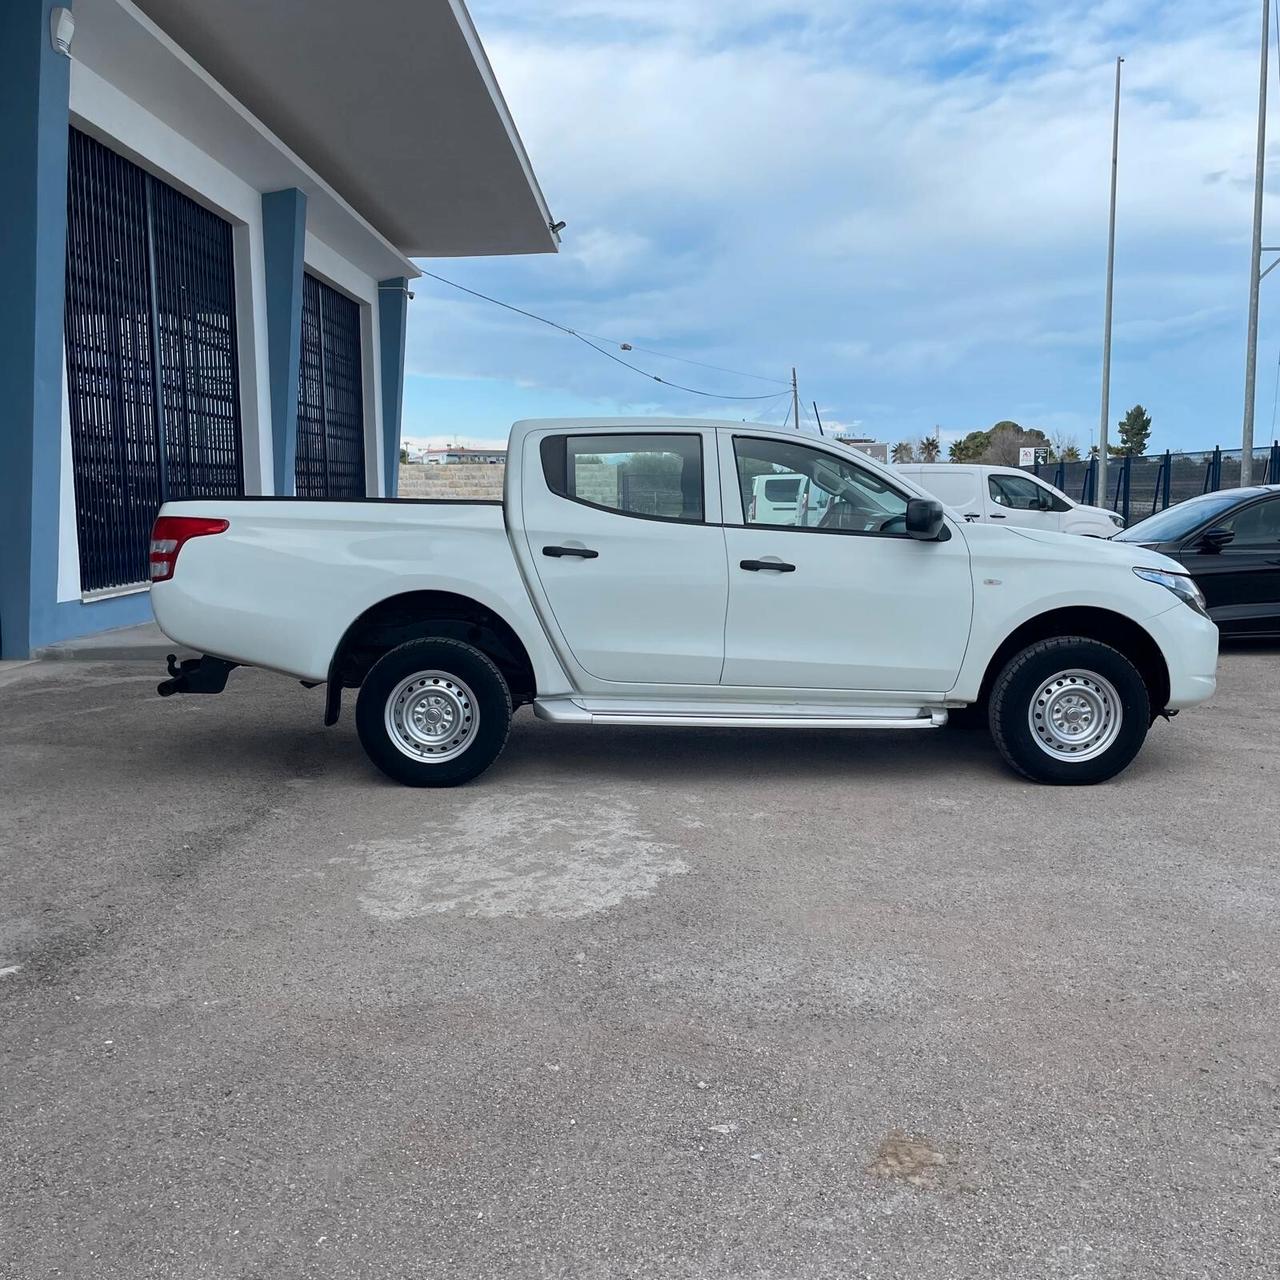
pixel 1075 715
pixel 432 716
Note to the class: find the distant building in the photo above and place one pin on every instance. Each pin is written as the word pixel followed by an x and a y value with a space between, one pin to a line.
pixel 458 453
pixel 876 449
pixel 208 210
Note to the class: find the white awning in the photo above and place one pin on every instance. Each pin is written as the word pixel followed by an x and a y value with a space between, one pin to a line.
pixel 392 102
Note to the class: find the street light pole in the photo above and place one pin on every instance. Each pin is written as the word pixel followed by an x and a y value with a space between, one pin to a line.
pixel 1100 496
pixel 1255 261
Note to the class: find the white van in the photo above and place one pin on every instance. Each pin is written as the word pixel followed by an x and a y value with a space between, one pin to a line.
pixel 787 498
pixel 1007 495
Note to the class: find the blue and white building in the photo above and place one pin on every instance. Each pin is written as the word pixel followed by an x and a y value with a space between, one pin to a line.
pixel 208 210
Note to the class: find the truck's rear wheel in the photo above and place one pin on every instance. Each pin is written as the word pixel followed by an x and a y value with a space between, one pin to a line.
pixel 433 713
pixel 1069 711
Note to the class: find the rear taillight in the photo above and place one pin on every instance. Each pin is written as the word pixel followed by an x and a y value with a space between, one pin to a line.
pixel 168 535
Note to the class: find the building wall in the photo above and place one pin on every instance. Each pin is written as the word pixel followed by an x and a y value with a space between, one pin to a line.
pixel 111 113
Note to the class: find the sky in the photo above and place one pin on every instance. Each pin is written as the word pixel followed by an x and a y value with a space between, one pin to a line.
pixel 905 200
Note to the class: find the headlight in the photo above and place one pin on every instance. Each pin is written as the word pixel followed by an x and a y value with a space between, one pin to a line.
pixel 1116 520
pixel 1180 584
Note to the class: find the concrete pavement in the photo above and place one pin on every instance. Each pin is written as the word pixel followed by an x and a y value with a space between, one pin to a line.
pixel 640 1003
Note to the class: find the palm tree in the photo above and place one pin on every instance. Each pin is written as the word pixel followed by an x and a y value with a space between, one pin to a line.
pixel 1071 454
pixel 930 448
pixel 904 452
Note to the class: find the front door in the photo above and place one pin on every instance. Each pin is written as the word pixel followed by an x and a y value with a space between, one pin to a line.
pixel 1241 583
pixel 623 536
pixel 837 595
pixel 1018 500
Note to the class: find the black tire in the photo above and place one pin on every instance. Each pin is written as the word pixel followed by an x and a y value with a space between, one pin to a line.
pixel 474 702
pixel 1024 679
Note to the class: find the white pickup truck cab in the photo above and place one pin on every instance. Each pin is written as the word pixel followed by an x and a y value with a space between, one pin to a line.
pixel 623 580
pixel 1008 495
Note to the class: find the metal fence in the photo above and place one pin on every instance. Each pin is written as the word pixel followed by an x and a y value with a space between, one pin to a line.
pixel 330 452
pixel 1140 485
pixel 153 384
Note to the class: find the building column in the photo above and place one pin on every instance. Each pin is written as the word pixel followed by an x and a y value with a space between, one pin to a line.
pixel 393 308
pixel 35 87
pixel 284 231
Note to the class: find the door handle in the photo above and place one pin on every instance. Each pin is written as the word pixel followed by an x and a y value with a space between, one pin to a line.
pixel 772 566
pixel 583 553
pixel 995 515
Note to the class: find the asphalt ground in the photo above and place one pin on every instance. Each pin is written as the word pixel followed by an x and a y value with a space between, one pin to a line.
pixel 639 1003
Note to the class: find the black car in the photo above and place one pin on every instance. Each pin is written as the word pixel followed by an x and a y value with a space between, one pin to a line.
pixel 1230 544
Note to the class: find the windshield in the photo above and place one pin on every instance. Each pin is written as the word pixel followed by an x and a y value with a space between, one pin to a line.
pixel 1176 522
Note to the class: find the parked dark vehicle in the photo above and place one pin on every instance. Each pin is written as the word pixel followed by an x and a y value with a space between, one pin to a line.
pixel 1230 544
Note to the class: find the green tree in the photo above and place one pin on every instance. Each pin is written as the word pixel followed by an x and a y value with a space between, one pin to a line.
pixel 1135 431
pixel 1007 439
pixel 903 452
pixel 404 455
pixel 929 448
pixel 1070 453
pixel 970 448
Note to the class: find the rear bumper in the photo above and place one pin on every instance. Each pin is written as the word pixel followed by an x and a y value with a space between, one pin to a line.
pixel 1189 642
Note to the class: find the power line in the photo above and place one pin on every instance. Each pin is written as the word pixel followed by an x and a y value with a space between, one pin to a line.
pixel 701 364
pixel 586 341
pixel 771 407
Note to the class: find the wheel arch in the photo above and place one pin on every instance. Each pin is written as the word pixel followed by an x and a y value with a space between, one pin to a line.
pixel 1093 623
pixel 411 615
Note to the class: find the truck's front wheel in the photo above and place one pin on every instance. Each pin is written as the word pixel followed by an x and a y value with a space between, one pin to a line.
pixel 433 713
pixel 1069 711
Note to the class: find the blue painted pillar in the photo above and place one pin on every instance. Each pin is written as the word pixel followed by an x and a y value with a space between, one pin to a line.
pixel 393 308
pixel 284 230
pixel 35 87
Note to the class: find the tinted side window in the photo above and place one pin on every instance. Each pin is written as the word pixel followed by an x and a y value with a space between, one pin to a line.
pixel 831 492
pixel 640 475
pixel 1258 525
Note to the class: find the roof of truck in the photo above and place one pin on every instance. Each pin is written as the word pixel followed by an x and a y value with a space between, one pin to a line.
pixel 640 420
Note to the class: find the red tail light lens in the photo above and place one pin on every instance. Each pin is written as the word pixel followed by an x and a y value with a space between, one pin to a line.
pixel 168 535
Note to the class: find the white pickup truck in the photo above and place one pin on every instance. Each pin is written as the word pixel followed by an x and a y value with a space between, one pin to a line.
pixel 623 580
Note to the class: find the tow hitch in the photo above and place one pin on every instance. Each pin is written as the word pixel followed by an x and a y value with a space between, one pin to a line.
pixel 196 675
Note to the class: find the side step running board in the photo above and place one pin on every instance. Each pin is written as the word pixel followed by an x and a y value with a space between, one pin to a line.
pixel 567 711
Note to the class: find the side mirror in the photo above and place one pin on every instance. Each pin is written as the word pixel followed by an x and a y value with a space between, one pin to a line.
pixel 1213 540
pixel 924 518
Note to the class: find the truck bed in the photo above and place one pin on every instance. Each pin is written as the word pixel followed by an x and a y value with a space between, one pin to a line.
pixel 280 586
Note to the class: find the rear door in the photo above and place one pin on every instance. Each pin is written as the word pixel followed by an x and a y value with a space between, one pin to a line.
pixel 954 485
pixel 623 532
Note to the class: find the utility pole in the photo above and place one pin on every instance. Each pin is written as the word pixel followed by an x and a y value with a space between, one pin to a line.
pixel 795 398
pixel 1255 261
pixel 1100 497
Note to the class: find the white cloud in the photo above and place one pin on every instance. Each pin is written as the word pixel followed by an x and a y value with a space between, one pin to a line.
pixel 911 210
